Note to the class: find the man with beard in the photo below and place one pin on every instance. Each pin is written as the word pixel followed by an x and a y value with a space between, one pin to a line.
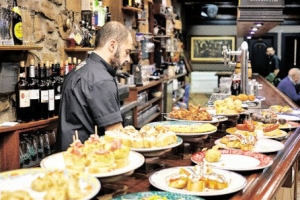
pixel 90 94
pixel 273 70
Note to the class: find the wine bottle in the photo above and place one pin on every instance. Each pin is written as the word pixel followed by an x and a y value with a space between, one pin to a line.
pixel 70 63
pixel 50 85
pixel 22 96
pixel 58 86
pixel 34 92
pixel 74 64
pixel 17 30
pixel 44 98
pixel 67 68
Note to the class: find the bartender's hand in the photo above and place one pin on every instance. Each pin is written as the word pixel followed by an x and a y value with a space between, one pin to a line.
pixel 276 71
pixel 114 126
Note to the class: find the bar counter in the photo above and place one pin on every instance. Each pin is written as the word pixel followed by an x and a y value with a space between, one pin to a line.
pixel 263 184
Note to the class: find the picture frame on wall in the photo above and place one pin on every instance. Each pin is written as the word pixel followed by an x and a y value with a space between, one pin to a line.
pixel 209 48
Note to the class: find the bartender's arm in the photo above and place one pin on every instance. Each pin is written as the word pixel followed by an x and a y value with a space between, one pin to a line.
pixel 114 126
pixel 276 71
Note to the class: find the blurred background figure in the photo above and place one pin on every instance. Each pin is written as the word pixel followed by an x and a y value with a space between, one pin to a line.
pixel 274 73
pixel 289 85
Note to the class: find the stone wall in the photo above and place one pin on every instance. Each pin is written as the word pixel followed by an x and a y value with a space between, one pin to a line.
pixel 44 24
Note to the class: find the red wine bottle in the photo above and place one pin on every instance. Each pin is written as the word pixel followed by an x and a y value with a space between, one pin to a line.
pixel 50 85
pixel 34 92
pixel 22 96
pixel 44 98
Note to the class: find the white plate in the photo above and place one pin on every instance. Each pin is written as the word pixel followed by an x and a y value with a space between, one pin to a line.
pixel 260 135
pixel 21 180
pixel 296 111
pixel 261 146
pixel 236 160
pixel 183 123
pixel 195 134
pixel 179 141
pixel 289 125
pixel 288 117
pixel 135 161
pixel 213 112
pixel 237 182
pixel 214 119
pixel 152 194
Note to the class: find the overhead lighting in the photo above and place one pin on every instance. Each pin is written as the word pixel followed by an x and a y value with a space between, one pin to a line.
pixel 249 37
pixel 258 24
pixel 252 32
pixel 254 29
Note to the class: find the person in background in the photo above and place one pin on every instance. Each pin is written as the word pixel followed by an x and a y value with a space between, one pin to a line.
pixel 288 85
pixel 90 94
pixel 273 66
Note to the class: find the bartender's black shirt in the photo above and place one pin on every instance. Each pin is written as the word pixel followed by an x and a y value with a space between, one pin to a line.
pixel 89 98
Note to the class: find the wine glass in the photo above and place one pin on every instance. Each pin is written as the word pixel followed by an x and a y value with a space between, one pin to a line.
pixel 47 149
pixel 40 145
pixel 25 151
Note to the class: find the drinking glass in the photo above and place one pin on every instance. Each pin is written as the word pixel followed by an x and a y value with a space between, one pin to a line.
pixel 47 149
pixel 33 147
pixel 40 144
pixel 25 151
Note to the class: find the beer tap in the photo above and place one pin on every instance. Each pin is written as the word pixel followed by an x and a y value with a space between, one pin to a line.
pixel 243 52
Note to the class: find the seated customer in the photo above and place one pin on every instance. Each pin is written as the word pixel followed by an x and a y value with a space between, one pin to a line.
pixel 288 85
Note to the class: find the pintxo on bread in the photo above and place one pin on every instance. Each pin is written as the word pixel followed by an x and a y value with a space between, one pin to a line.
pixel 146 137
pixel 96 155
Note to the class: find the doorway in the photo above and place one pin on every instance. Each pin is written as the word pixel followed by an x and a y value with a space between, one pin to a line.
pixel 290 45
pixel 257 52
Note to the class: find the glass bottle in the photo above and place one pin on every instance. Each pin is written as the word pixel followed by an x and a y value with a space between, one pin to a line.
pixel 50 85
pixel 58 87
pixel 17 30
pixel 44 98
pixel 33 91
pixel 22 96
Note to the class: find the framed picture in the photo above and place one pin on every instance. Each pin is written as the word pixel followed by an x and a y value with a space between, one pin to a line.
pixel 209 48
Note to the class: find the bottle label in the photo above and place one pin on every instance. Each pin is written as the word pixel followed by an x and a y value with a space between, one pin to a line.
pixel 44 96
pixel 18 31
pixel 24 98
pixel 51 100
pixel 58 89
pixel 34 94
pixel 57 97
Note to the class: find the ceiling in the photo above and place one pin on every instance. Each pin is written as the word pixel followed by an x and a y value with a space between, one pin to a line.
pixel 228 11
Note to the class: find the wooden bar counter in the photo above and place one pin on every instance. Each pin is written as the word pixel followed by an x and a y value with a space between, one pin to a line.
pixel 279 181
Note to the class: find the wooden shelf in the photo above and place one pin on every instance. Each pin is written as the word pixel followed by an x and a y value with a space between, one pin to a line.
pixel 131 9
pixel 146 86
pixel 78 49
pixel 139 108
pixel 29 125
pixel 161 36
pixel 19 47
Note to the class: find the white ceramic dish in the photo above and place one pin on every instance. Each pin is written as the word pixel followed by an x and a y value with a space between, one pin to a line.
pixel 21 180
pixel 237 182
pixel 135 161
pixel 261 146
pixel 236 160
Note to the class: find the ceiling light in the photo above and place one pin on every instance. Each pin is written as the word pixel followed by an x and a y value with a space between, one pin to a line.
pixel 252 32
pixel 254 28
pixel 249 37
pixel 258 24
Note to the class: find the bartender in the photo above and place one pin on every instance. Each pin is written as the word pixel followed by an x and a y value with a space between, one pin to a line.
pixel 90 94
